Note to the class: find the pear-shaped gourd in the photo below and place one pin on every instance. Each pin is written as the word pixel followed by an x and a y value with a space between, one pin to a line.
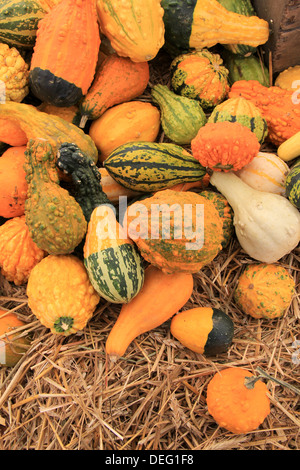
pixel 181 117
pixel 267 225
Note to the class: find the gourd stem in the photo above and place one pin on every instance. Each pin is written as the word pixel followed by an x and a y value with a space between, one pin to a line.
pixel 251 381
pixel 83 121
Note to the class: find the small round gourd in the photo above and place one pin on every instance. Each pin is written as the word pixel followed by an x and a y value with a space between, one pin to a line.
pixel 264 290
pixel 205 330
pixel 12 346
pixel 235 403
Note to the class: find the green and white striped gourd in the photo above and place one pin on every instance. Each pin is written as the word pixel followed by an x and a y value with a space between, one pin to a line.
pixel 151 166
pixel 292 185
pixel 181 117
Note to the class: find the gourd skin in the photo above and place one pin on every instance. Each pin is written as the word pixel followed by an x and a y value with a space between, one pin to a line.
pixel 173 245
pixel 69 29
pixel 14 74
pixel 264 290
pixel 292 185
pixel 54 218
pixel 246 68
pixel 18 252
pixel 60 294
pixel 135 28
pixel 13 185
pixel 12 346
pixel 11 133
pixel 114 190
pixel 290 148
pixel 114 265
pixel 181 117
pixel 161 296
pixel 286 79
pixel 151 166
pixel 204 330
pixel 234 406
pixel 267 225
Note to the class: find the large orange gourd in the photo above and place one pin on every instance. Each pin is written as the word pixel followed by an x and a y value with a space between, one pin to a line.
pixel 66 52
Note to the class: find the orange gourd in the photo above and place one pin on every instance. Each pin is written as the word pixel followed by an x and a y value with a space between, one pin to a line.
pixel 13 185
pixel 117 80
pixel 237 400
pixel 65 55
pixel 12 345
pixel 161 296
pixel 11 133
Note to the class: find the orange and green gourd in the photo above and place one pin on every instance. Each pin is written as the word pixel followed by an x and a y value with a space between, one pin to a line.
pixel 225 146
pixel 200 75
pixel 243 111
pixel 279 107
pixel 60 294
pixel 237 400
pixel 13 342
pixel 176 231
pixel 225 211
pixel 54 218
pixel 65 54
pixel 264 290
pixel 18 252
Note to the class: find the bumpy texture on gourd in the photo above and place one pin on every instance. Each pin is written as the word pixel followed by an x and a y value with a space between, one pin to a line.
pixel 225 146
pixel 18 252
pixel 234 405
pixel 14 74
pixel 201 76
pixel 225 212
pixel 243 111
pixel 134 28
pixel 279 107
pixel 264 290
pixel 54 218
pixel 171 233
pixel 61 295
pixel 181 117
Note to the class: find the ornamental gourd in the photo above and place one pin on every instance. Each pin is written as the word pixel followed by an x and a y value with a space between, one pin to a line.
pixel 13 343
pixel 289 78
pixel 264 290
pixel 161 296
pixel 14 74
pixel 246 68
pixel 61 295
pixel 267 225
pixel 290 148
pixel 13 184
pixel 169 227
pixel 292 185
pixel 134 28
pixel 54 218
pixel 65 54
pixel 11 133
pixel 237 400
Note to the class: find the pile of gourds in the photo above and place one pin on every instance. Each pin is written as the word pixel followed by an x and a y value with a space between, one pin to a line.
pixel 77 139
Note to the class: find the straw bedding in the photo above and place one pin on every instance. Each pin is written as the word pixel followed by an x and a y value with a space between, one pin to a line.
pixel 63 395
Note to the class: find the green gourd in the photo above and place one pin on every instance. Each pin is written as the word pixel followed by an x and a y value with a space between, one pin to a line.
pixel 54 218
pixel 181 117
pixel 245 68
pixel 292 184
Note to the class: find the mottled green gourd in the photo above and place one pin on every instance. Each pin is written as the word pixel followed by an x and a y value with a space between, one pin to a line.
pixel 54 218
pixel 243 111
pixel 245 68
pixel 292 184
pixel 181 117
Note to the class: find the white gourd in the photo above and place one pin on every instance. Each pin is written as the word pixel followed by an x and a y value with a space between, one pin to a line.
pixel 267 225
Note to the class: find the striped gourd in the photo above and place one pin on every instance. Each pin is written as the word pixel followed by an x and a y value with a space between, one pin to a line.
pixel 151 166
pixel 181 117
pixel 114 265
pixel 19 22
pixel 292 185
pixel 243 111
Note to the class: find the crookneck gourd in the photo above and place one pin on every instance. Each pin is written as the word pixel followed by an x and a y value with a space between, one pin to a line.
pixel 86 178
pixel 54 218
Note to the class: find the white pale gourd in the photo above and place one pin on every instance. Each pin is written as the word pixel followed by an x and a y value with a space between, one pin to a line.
pixel 267 225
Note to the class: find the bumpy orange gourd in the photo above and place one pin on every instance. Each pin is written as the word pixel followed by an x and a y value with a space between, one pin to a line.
pixel 13 185
pixel 176 231
pixel 264 290
pixel 60 294
pixel 225 146
pixel 279 107
pixel 161 296
pixel 12 345
pixel 234 403
pixel 65 54
pixel 18 252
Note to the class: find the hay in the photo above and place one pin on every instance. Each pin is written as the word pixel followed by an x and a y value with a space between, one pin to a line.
pixel 62 395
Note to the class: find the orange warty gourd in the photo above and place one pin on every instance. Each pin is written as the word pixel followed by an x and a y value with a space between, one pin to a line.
pixel 233 401
pixel 265 290
pixel 279 107
pixel 18 252
pixel 12 346
pixel 11 133
pixel 13 185
pixel 225 146
pixel 65 54
pixel 161 296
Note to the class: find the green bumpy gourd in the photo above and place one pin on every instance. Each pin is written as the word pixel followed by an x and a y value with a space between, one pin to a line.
pixel 54 218
pixel 181 117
